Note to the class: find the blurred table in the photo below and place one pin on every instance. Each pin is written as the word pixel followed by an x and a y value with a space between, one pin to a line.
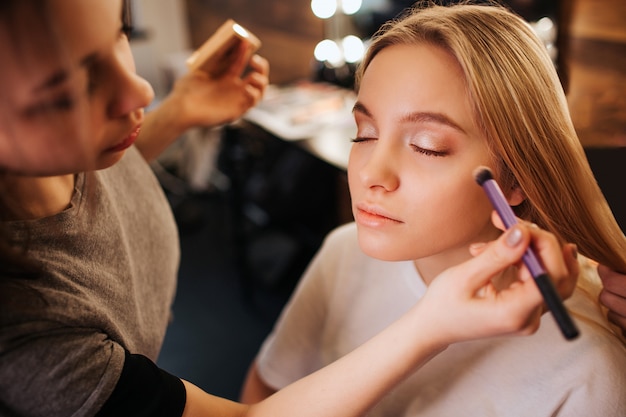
pixel 314 116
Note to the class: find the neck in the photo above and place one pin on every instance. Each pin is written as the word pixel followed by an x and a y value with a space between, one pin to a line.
pixel 430 268
pixel 38 197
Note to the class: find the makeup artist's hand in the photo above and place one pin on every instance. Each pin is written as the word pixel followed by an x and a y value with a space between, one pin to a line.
pixel 465 303
pixel 204 101
pixel 197 100
pixel 564 287
pixel 613 295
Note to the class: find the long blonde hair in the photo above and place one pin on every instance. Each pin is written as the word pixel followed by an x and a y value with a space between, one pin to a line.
pixel 521 108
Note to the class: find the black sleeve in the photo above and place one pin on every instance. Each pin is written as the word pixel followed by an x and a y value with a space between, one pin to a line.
pixel 145 390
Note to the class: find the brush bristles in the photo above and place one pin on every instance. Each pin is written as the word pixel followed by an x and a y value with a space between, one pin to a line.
pixel 482 174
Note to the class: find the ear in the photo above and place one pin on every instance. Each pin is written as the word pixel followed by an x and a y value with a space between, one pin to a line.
pixel 516 196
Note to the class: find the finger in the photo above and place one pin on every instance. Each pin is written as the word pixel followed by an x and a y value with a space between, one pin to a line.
pixel 547 247
pixel 520 307
pixel 504 252
pixel 253 95
pixel 565 287
pixel 613 302
pixel 243 54
pixel 613 281
pixel 496 220
pixel 478 247
pixel 618 320
pixel 558 261
pixel 260 65
pixel 257 80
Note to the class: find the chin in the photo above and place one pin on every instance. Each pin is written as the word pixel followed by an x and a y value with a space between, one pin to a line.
pixel 380 249
pixel 108 160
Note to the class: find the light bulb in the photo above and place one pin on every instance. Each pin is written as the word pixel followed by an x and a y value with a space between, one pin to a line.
pixel 329 51
pixel 350 6
pixel 353 48
pixel 324 8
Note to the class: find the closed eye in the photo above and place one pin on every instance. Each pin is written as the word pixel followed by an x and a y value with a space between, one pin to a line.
pixel 361 139
pixel 429 152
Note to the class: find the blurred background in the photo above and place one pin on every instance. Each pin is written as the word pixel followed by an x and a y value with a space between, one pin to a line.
pixel 590 39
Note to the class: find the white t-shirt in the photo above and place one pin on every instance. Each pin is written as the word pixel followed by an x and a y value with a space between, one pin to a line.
pixel 346 297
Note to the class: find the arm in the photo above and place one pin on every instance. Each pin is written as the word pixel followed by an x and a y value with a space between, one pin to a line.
pixel 451 311
pixel 199 100
pixel 613 295
pixel 254 388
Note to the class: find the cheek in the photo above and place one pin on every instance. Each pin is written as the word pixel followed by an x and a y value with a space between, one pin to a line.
pixel 439 218
pixel 71 136
pixel 46 152
pixel 455 214
pixel 353 162
pixel 358 161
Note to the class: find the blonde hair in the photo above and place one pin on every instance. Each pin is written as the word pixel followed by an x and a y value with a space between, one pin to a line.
pixel 520 106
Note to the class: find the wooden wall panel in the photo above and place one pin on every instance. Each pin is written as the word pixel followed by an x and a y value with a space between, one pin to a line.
pixel 287 28
pixel 594 54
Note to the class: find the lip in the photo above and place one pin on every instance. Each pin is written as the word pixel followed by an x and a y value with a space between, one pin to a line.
pixel 373 216
pixel 127 142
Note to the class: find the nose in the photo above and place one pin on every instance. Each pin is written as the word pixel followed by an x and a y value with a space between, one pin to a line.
pixel 130 92
pixel 378 169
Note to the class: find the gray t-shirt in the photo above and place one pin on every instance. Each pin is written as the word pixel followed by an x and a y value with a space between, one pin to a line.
pixel 111 262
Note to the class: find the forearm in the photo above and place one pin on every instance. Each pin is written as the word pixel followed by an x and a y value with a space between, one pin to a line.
pixel 346 388
pixel 161 127
pixel 356 382
pixel 201 404
pixel 254 388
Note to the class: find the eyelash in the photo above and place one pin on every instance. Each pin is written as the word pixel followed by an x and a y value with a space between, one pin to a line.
pixel 127 30
pixel 62 104
pixel 427 152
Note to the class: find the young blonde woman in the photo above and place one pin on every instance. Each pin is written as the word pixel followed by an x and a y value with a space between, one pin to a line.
pixel 440 92
pixel 89 249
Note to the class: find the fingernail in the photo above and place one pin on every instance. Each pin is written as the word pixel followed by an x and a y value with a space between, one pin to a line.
pixel 514 237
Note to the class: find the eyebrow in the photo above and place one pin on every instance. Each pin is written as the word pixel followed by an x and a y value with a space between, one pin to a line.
pixel 61 76
pixel 54 80
pixel 415 117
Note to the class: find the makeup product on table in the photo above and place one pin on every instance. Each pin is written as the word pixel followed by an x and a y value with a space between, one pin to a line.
pixel 485 179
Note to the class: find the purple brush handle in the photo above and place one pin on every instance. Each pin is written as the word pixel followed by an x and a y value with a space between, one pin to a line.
pixel 550 296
